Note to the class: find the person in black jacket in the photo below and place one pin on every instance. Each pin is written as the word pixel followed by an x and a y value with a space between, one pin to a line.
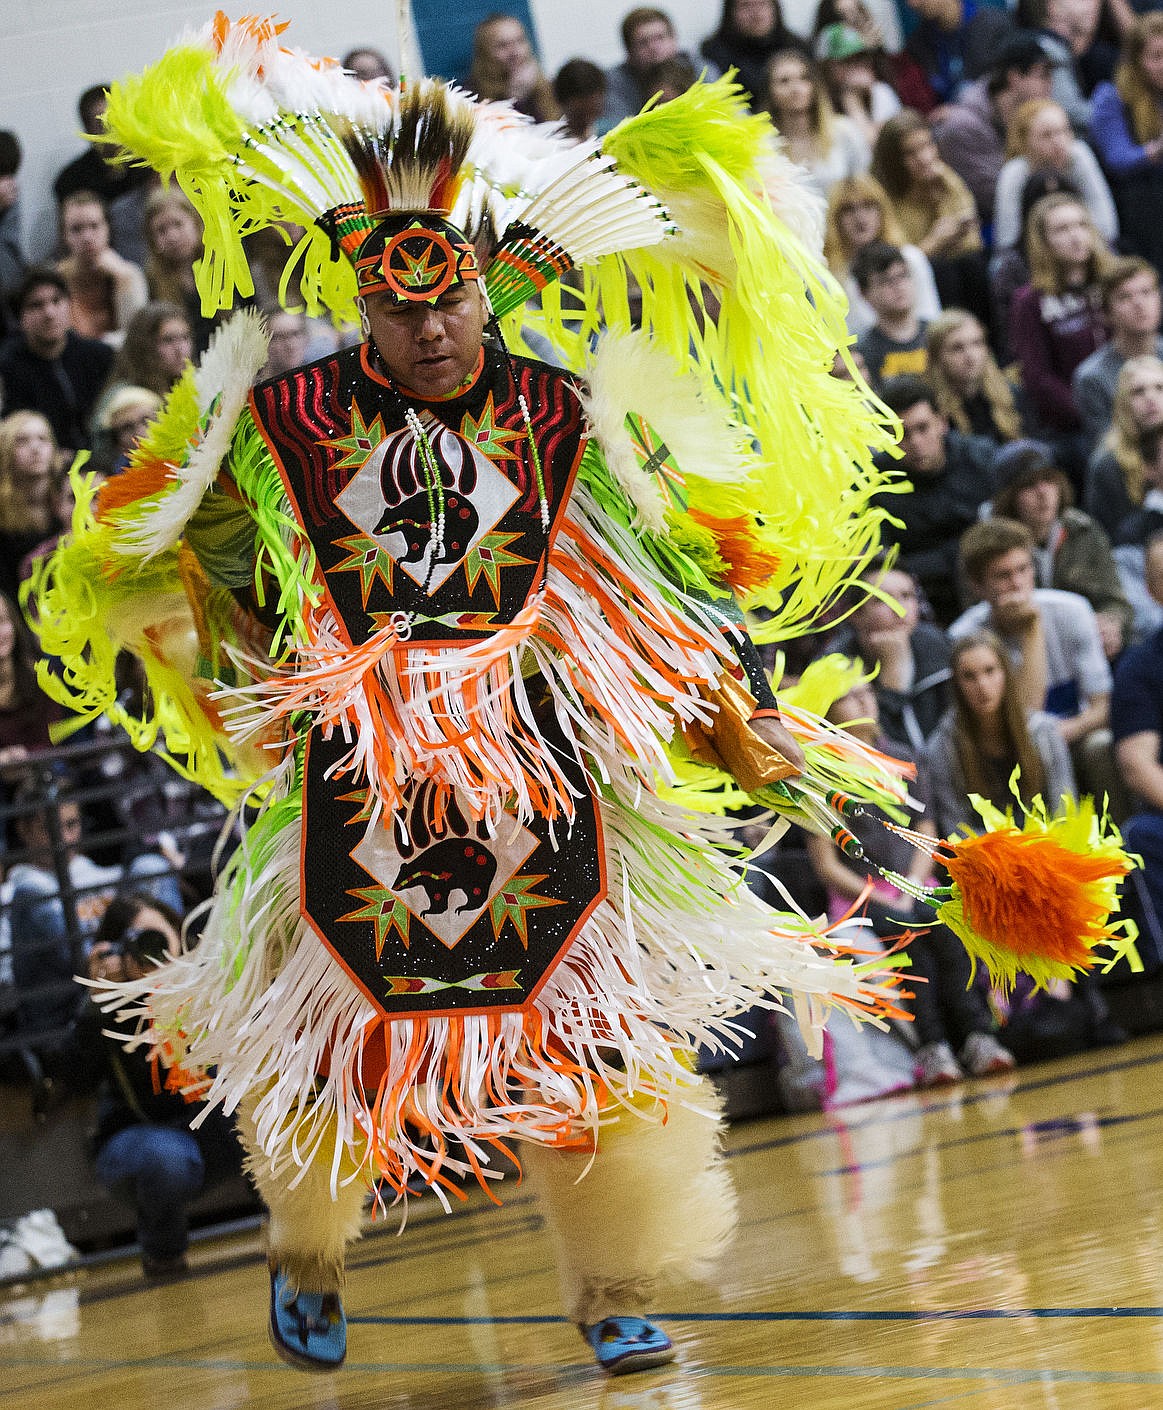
pixel 46 367
pixel 951 476
pixel 146 1154
pixel 749 33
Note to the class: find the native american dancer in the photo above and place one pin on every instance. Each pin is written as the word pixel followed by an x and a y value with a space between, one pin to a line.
pixel 441 619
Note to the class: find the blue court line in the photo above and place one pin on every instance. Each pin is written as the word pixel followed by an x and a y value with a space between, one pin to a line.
pixel 568 1373
pixel 993 1374
pixel 913 1112
pixel 943 1314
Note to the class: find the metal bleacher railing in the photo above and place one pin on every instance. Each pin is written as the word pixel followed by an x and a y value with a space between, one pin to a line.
pixel 129 804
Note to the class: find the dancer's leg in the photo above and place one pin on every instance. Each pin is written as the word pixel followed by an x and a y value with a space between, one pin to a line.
pixel 655 1204
pixel 310 1226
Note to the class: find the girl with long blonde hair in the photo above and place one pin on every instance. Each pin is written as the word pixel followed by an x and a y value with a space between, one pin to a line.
pixel 971 390
pixel 825 143
pixel 859 212
pixel 1114 479
pixel 1056 320
pixel 986 735
pixel 29 480
pixel 505 69
pixel 1040 139
pixel 935 208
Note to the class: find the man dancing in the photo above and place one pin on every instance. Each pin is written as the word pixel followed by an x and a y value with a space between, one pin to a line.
pixel 447 613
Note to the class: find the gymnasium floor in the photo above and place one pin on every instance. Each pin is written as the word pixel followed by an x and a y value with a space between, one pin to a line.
pixel 997 1247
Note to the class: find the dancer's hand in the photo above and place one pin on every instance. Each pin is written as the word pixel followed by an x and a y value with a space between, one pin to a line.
pixel 772 732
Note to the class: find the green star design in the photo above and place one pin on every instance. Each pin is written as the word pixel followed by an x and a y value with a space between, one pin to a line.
pixel 420 270
pixel 385 910
pixel 357 448
pixel 514 901
pixel 367 558
pixel 487 557
pixel 489 438
pixel 362 796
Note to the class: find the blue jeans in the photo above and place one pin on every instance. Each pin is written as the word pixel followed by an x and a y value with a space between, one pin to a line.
pixel 1144 834
pixel 159 1170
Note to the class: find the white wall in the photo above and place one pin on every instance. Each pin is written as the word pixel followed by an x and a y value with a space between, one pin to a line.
pixel 589 29
pixel 52 50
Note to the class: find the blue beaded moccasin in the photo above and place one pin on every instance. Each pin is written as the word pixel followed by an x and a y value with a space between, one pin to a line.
pixel 625 1344
pixel 308 1329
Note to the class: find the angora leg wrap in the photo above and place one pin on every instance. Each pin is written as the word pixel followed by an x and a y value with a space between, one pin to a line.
pixel 657 1204
pixel 310 1226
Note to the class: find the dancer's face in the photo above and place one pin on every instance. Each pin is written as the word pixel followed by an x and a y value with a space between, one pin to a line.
pixel 429 349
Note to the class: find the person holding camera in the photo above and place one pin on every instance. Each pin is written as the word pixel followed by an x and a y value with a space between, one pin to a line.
pixel 145 1153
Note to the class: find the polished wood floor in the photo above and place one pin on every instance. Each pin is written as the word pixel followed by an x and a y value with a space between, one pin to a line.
pixel 996 1247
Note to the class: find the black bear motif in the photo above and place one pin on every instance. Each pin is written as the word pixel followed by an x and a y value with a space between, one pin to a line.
pixel 413 519
pixel 453 864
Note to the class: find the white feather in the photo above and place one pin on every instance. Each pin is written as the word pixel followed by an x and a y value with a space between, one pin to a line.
pixel 630 373
pixel 236 355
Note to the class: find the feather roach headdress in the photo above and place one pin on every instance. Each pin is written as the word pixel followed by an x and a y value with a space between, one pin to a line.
pixel 420 189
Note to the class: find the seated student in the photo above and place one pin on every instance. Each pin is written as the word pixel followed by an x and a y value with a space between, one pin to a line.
pixel 859 214
pixel 988 733
pixel 1134 534
pixel 972 391
pixel 954 42
pixel 828 145
pixel 945 1010
pixel 911 656
pixel 13 262
pixel 1137 727
pixel 26 713
pixel 1009 270
pixel 1067 29
pixel 1071 552
pixel 1056 320
pixel 1133 310
pixel 159 343
pixel 1127 134
pixel 895 344
pixel 649 38
pixel 48 830
pixel 121 185
pixel 1052 639
pixel 29 480
pixel 580 90
pixel 951 477
pixel 878 24
pixel 173 236
pixel 971 133
pixel 505 68
pixel 46 367
pixel 145 1152
pixel 105 289
pixel 748 34
pixel 936 210
pixel 368 65
pixel 852 63
pixel 1040 138
pixel 1114 477
pixel 120 422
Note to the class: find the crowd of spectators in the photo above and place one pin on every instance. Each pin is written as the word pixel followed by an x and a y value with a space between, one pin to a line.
pixel 992 189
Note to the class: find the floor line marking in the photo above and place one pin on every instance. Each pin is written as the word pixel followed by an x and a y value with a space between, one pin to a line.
pixel 915 1112
pixel 940 1314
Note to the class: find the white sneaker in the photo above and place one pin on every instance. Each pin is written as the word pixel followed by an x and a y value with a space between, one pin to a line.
pixel 983 1055
pixel 13 1258
pixel 43 1239
pixel 936 1066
